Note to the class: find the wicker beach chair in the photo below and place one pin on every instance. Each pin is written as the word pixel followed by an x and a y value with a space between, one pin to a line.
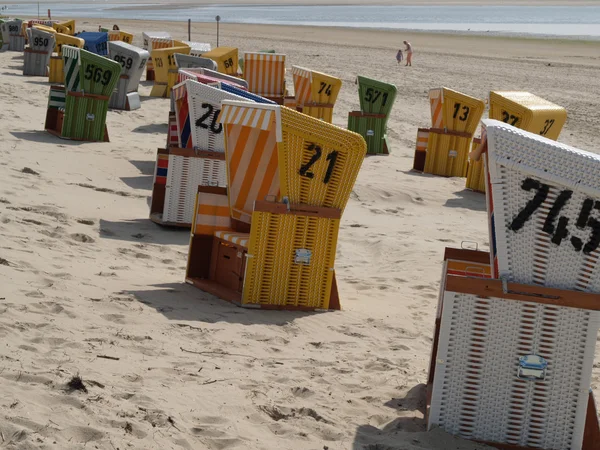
pixel 226 59
pixel 265 74
pixel 133 63
pixel 78 110
pixel 56 74
pixel 37 54
pixel 315 92
pixel 376 101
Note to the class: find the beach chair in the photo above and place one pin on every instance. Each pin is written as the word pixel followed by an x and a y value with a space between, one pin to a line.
pixel 511 363
pixel 133 63
pixel 16 37
pixel 67 27
pixel 165 69
pixel 454 119
pixel 38 52
pixel 56 74
pixel 277 254
pixel 376 101
pixel 265 74
pixel 226 59
pixel 117 35
pixel 154 40
pixel 522 110
pixel 4 36
pixel 190 62
pixel 95 42
pixel 197 48
pixel 199 160
pixel 210 76
pixel 78 109
pixel 315 92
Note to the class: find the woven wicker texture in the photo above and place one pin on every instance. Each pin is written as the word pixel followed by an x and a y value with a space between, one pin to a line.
pixel 316 89
pixel 190 61
pixel 211 214
pixel 226 59
pixel 198 107
pixel 376 96
pixel 273 274
pixel 165 70
pixel 184 175
pixel 477 393
pixel 95 42
pixel 318 162
pixel 455 111
pixel 37 56
pixel 528 112
pixel 265 73
pixel 133 63
pixel 544 209
pixel 447 155
pixel 251 154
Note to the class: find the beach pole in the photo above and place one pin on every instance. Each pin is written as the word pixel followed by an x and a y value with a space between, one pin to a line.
pixel 218 19
pixel 38 10
pixel 189 29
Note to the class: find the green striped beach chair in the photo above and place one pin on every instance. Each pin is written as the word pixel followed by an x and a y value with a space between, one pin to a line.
pixel 376 101
pixel 78 109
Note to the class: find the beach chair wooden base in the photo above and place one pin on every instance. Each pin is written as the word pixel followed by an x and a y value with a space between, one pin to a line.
pixel 372 127
pixel 54 125
pixel 150 75
pixel 463 273
pixel 56 73
pixel 444 153
pixel 34 63
pixel 157 218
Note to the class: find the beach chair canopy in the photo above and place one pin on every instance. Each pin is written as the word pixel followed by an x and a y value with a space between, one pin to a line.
pixel 95 42
pixel 265 73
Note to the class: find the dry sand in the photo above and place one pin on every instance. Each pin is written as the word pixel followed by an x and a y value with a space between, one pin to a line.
pixel 84 273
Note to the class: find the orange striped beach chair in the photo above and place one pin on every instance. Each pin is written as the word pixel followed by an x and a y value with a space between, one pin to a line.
pixel 315 92
pixel 265 74
pixel 279 254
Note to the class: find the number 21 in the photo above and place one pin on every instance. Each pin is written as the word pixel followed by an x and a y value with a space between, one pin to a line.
pixel 331 157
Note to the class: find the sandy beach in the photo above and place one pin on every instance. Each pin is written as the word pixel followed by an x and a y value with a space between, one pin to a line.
pixel 84 275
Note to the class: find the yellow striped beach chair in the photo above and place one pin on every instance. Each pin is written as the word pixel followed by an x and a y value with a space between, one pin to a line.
pixel 315 92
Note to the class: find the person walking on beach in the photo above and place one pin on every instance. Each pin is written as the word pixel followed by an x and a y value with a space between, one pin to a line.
pixel 409 52
pixel 399 56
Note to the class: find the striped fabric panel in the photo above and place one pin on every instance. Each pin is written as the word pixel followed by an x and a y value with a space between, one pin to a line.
pixel 435 102
pixel 173 138
pixel 253 171
pixel 57 98
pixel 302 84
pixel 265 73
pixel 248 116
pixel 72 60
pixel 422 138
pixel 240 239
pixel 162 169
pixel 211 215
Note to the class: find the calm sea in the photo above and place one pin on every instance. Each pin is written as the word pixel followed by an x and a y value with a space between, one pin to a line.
pixel 576 21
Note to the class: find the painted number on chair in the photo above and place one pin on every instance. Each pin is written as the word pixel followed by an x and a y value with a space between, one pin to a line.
pixel 214 126
pixel 40 42
pixel 325 88
pixel 97 74
pixel 547 125
pixel 171 59
pixel 510 118
pixel 13 28
pixel 372 95
pixel 556 226
pixel 158 62
pixel 305 170
pixel 125 62
pixel 228 63
pixel 461 111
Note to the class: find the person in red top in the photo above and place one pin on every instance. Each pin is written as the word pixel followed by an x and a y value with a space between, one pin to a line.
pixel 409 52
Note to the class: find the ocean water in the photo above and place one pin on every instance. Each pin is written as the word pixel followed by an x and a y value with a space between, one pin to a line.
pixel 574 21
